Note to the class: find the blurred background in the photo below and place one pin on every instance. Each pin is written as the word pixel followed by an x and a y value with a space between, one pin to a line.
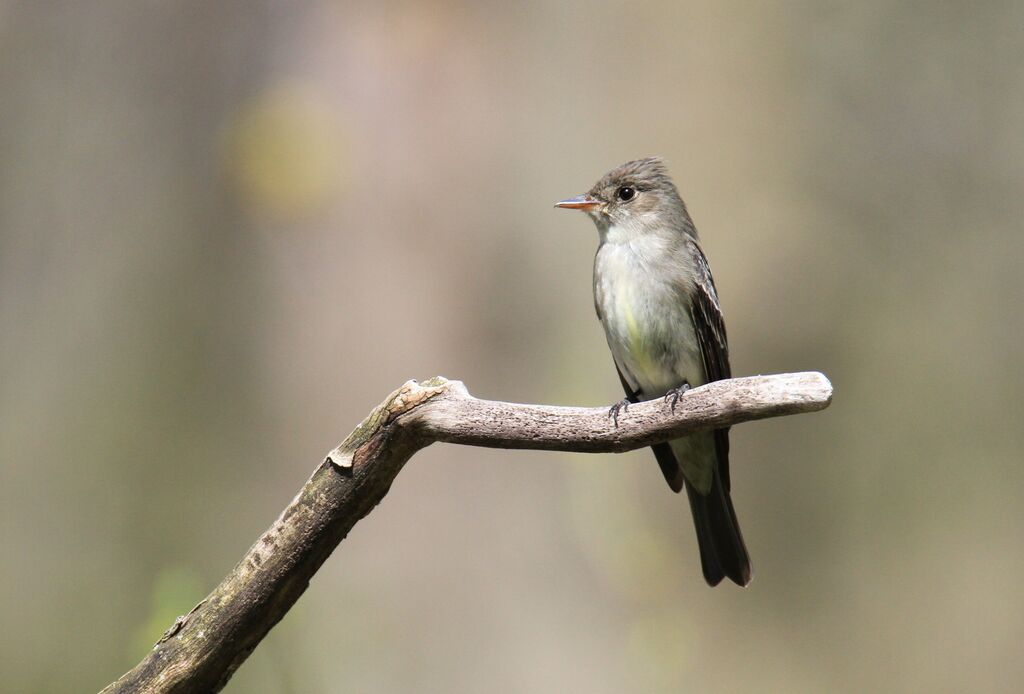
pixel 228 230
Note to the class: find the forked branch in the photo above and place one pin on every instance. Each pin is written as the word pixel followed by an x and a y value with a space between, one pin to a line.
pixel 202 649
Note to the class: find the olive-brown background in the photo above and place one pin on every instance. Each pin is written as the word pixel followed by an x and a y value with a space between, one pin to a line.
pixel 228 230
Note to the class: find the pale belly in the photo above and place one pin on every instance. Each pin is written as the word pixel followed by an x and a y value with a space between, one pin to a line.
pixel 650 332
pixel 647 322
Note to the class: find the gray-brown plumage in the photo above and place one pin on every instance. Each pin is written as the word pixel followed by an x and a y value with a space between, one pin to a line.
pixel 656 300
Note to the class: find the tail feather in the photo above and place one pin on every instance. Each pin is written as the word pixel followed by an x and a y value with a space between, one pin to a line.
pixel 722 552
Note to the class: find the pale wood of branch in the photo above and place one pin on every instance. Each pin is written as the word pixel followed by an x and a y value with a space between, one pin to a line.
pixel 202 649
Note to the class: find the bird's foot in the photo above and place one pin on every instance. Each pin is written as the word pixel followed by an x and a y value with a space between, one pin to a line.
pixel 676 393
pixel 613 411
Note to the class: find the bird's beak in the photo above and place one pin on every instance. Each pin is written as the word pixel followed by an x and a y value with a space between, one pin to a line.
pixel 580 202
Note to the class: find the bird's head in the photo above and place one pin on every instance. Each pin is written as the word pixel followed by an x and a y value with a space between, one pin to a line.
pixel 638 195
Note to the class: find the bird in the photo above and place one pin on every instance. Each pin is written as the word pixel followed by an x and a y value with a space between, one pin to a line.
pixel 657 302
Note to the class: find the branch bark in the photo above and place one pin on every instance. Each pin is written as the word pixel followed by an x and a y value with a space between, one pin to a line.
pixel 203 649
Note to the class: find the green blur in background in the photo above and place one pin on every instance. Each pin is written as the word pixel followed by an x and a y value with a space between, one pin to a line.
pixel 228 230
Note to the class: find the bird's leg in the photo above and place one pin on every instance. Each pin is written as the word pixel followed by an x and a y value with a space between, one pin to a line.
pixel 613 411
pixel 674 394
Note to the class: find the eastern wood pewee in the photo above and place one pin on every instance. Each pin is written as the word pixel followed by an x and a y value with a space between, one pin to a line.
pixel 657 302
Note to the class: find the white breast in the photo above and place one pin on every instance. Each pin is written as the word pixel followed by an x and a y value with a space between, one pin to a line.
pixel 640 285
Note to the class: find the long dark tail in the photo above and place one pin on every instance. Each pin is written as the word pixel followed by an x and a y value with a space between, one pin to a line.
pixel 722 552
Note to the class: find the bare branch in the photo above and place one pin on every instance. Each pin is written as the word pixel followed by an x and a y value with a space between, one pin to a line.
pixel 202 649
pixel 458 417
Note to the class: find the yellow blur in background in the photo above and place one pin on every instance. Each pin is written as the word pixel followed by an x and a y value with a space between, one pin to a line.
pixel 228 230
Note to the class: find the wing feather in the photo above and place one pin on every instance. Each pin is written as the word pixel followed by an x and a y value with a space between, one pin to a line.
pixel 709 325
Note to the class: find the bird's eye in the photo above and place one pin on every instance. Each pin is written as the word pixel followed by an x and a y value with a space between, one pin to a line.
pixel 626 193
